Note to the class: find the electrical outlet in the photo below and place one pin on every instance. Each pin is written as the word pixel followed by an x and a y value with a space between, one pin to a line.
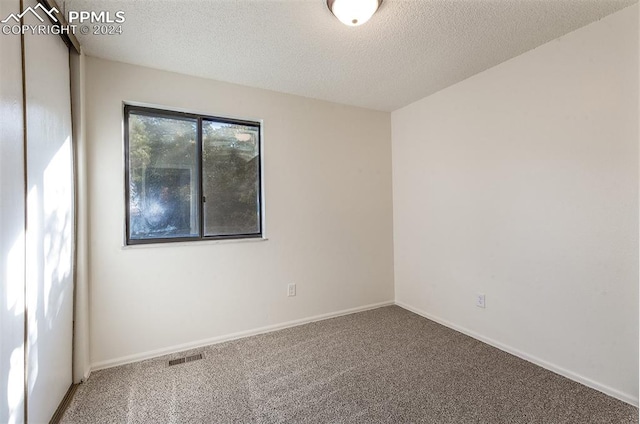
pixel 291 290
pixel 480 300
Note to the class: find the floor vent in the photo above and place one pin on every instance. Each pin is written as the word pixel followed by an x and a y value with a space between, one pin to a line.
pixel 185 360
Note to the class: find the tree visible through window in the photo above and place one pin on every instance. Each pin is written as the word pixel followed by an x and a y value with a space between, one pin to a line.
pixel 190 177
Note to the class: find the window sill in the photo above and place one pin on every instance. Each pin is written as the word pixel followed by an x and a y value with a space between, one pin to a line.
pixel 194 243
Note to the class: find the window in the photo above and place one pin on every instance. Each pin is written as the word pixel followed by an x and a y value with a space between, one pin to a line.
pixel 190 177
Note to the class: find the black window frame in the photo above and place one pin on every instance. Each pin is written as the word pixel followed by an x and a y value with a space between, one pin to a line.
pixel 199 118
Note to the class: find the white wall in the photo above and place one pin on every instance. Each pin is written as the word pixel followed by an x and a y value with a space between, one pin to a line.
pixel 328 219
pixel 522 183
pixel 81 337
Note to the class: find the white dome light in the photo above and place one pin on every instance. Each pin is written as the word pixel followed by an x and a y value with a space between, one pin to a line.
pixel 353 12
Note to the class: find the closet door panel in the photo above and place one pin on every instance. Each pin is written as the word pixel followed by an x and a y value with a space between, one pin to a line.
pixel 50 223
pixel 12 225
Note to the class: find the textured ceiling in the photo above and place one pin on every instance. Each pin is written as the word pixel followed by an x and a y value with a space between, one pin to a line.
pixel 408 50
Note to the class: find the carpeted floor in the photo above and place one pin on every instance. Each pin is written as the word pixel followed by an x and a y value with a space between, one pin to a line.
pixel 382 366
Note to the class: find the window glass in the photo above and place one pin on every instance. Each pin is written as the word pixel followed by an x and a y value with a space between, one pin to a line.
pixel 231 167
pixel 163 177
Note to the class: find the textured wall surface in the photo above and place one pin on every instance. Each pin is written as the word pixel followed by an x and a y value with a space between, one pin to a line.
pixel 328 219
pixel 522 183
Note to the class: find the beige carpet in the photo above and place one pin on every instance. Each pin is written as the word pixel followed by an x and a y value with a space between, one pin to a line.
pixel 382 366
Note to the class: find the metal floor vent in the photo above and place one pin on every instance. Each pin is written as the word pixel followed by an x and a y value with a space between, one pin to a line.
pixel 185 359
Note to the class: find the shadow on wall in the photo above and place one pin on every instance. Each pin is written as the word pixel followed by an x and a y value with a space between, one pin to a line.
pixel 49 267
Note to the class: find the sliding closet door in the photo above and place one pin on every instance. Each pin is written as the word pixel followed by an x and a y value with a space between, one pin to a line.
pixel 50 223
pixel 12 225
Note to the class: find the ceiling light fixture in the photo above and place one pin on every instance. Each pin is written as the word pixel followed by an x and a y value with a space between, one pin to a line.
pixel 353 12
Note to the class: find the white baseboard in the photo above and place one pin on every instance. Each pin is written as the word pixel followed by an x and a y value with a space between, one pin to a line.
pixel 228 337
pixel 625 397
